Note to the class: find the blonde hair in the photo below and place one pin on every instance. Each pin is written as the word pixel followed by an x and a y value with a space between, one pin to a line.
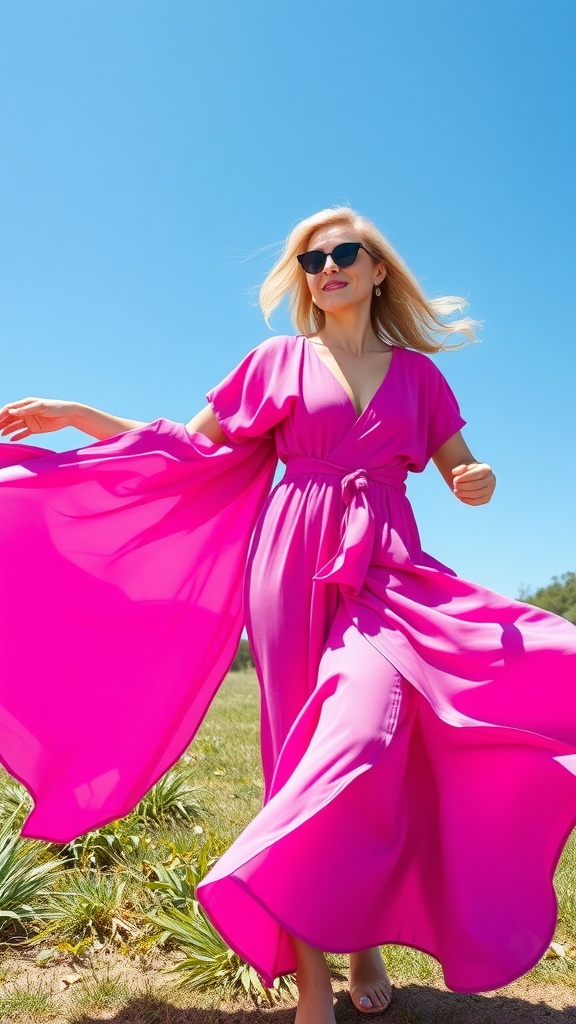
pixel 402 315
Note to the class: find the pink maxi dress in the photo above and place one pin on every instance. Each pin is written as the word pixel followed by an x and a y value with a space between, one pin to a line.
pixel 418 731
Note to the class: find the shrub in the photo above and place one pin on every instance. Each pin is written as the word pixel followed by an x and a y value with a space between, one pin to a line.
pixel 211 963
pixel 91 907
pixel 15 801
pixel 26 876
pixel 172 797
pixel 116 844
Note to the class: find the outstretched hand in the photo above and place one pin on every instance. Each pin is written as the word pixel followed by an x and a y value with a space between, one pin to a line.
pixel 34 416
pixel 474 483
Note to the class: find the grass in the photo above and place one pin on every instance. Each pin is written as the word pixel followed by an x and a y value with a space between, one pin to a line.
pixel 210 963
pixel 33 1003
pixel 226 757
pixel 15 802
pixel 100 991
pixel 25 878
pixel 173 798
pixel 565 882
pixel 120 877
pixel 228 745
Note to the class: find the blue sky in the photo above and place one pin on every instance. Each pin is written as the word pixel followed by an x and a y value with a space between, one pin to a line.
pixel 154 152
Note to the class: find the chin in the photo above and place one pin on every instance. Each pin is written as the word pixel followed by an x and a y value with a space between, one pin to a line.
pixel 335 307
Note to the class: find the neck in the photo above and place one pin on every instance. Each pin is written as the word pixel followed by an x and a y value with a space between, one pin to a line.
pixel 352 330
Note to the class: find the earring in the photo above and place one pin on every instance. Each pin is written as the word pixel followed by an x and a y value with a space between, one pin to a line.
pixel 377 291
pixel 316 309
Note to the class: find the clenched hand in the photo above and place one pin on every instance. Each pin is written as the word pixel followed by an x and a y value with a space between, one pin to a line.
pixel 474 483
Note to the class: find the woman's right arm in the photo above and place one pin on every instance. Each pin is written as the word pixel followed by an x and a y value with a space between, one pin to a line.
pixel 28 416
pixel 206 423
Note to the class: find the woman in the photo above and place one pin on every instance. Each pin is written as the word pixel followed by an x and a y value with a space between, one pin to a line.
pixel 404 740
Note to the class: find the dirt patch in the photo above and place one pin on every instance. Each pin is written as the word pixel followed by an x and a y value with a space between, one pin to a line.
pixel 520 1003
pixel 114 988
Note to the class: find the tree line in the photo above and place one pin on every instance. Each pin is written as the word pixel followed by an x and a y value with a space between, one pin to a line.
pixel 559 596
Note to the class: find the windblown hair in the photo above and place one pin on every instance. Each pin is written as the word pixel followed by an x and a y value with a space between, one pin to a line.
pixel 402 315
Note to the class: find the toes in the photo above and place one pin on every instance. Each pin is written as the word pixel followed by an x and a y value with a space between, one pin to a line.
pixel 385 994
pixel 374 1001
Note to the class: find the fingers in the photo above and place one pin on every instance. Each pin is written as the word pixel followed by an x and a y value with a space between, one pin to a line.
pixel 14 411
pixel 33 405
pixel 475 471
pixel 9 423
pixel 18 404
pixel 476 500
pixel 20 437
pixel 30 416
pixel 474 484
pixel 12 428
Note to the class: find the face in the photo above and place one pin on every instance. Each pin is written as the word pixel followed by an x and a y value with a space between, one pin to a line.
pixel 336 288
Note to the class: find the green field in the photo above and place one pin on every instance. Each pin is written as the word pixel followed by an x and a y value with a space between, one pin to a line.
pixel 115 911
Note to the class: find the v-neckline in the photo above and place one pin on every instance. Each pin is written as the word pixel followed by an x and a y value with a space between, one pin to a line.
pixel 349 395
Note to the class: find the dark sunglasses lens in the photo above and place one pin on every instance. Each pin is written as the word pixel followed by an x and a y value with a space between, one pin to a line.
pixel 312 262
pixel 345 255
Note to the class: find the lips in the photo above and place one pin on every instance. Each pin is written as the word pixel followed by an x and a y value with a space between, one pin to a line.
pixel 333 285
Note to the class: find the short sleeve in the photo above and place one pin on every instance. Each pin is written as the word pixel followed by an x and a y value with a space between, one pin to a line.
pixel 259 393
pixel 443 414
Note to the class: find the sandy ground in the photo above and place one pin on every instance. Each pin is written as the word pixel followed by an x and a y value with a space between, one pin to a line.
pixel 142 994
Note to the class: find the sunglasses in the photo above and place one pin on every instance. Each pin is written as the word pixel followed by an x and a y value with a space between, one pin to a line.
pixel 344 255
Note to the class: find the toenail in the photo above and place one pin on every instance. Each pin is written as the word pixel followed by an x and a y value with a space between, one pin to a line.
pixel 365 1000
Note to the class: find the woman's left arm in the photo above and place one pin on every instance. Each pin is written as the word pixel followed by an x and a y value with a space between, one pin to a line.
pixel 472 482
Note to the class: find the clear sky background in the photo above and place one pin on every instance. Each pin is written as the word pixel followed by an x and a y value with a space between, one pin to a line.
pixel 155 152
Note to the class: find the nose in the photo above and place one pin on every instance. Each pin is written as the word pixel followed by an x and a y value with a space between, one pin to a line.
pixel 330 266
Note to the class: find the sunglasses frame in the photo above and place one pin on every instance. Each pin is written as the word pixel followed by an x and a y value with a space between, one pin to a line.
pixel 320 252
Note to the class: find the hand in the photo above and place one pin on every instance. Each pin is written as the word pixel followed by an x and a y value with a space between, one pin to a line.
pixel 34 416
pixel 473 484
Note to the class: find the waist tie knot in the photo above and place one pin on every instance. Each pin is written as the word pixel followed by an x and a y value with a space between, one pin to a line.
pixel 353 482
pixel 348 567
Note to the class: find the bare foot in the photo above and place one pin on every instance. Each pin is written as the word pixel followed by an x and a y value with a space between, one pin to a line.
pixel 315 998
pixel 370 986
pixel 315 1006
